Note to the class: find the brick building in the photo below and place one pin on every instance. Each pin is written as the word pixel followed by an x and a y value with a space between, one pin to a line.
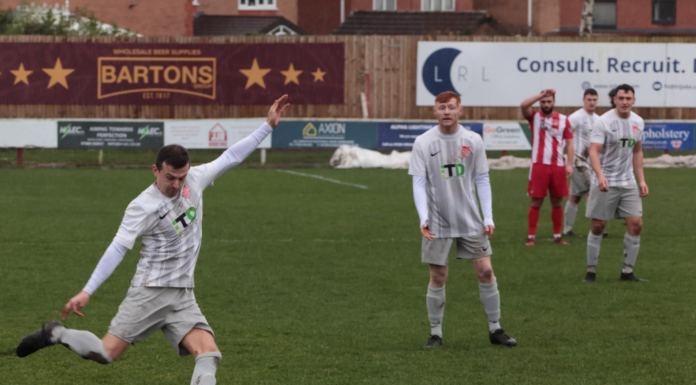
pixel 320 17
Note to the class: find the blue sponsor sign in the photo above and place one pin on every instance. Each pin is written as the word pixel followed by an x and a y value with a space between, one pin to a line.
pixel 321 134
pixel 668 136
pixel 401 135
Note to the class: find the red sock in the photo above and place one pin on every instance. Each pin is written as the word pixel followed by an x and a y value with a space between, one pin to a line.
pixel 533 219
pixel 557 218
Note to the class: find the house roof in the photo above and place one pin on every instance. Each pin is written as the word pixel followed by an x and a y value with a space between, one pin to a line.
pixel 225 25
pixel 412 23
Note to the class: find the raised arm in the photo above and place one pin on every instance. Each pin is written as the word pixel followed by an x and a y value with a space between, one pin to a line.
pixel 239 151
pixel 527 104
pixel 638 168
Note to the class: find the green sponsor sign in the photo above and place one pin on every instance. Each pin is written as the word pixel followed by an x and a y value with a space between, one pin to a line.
pixel 98 134
pixel 320 134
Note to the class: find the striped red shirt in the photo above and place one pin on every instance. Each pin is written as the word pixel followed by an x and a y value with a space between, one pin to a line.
pixel 548 137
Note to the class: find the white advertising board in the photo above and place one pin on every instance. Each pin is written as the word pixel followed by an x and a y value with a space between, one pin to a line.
pixel 507 136
pixel 28 133
pixel 504 74
pixel 211 133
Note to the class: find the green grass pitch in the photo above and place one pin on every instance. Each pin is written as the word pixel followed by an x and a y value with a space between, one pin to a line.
pixel 311 282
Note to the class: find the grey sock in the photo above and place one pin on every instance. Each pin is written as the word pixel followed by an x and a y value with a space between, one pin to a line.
pixel 84 343
pixel 631 247
pixel 435 302
pixel 594 243
pixel 490 298
pixel 206 366
pixel 571 211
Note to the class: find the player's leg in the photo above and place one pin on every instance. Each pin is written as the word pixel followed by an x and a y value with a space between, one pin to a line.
pixel 201 345
pixel 84 343
pixel 478 249
pixel 601 207
pixel 490 299
pixel 558 189
pixel 188 332
pixel 436 254
pixel 536 189
pixel 630 208
pixel 570 213
pixel 594 244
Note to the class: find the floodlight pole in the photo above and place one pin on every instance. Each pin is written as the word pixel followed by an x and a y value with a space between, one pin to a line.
pixel 529 17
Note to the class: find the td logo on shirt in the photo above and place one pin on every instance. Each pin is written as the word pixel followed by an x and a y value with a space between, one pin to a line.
pixel 189 215
pixel 627 142
pixel 452 170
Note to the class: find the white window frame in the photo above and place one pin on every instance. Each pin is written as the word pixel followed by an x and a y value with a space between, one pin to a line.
pixel 244 5
pixel 443 3
pixel 383 6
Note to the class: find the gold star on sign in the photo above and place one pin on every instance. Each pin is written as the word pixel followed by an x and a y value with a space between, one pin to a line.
pixel 21 75
pixel 291 75
pixel 255 75
pixel 318 76
pixel 58 75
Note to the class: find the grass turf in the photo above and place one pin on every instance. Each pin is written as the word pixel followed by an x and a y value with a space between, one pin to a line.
pixel 310 282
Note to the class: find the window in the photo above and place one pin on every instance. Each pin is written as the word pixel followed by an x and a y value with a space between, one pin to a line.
pixel 254 5
pixel 664 11
pixel 384 5
pixel 604 14
pixel 437 5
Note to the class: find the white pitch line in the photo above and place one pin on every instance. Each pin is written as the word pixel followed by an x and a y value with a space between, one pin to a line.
pixel 324 179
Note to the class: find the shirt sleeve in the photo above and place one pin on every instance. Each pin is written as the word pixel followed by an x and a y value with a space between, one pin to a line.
pixel 485 195
pixel 233 156
pixel 481 158
pixel 107 264
pixel 417 165
pixel 641 128
pixel 530 118
pixel 574 122
pixel 568 133
pixel 420 197
pixel 133 225
pixel 598 133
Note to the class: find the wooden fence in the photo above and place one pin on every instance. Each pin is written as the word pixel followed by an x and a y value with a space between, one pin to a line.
pixel 390 62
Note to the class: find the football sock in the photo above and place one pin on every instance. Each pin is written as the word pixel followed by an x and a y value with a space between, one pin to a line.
pixel 571 211
pixel 206 366
pixel 84 343
pixel 631 247
pixel 557 218
pixel 594 243
pixel 435 302
pixel 490 298
pixel 533 219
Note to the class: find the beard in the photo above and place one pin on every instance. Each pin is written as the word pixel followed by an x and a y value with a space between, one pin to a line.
pixel 547 110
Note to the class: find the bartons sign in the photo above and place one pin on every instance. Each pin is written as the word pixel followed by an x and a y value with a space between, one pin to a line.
pixel 170 74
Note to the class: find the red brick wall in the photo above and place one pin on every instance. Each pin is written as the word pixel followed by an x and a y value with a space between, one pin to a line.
pixel 511 15
pixel 286 8
pixel 634 14
pixel 318 17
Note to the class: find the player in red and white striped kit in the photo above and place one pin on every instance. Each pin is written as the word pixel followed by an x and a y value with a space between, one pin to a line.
pixel 550 134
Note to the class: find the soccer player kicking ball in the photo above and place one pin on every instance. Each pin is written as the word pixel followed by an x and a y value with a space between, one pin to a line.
pixel 581 122
pixel 167 217
pixel 616 151
pixel 446 162
pixel 550 132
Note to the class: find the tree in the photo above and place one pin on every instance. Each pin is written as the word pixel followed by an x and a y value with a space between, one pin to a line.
pixel 55 21
pixel 586 20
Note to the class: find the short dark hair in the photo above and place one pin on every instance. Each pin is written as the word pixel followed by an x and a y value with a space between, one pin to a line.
pixel 589 91
pixel 612 93
pixel 625 88
pixel 175 156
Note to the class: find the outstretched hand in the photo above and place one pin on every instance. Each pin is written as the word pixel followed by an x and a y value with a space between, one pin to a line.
pixel 277 110
pixel 76 304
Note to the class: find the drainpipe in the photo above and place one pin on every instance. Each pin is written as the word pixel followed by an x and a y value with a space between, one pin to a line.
pixel 529 17
pixel 343 11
